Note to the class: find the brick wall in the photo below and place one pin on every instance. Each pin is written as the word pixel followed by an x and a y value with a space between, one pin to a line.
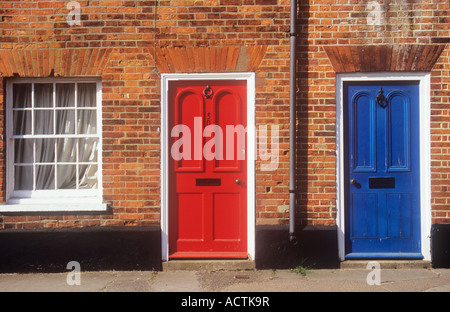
pixel 355 23
pixel 440 140
pixel 129 43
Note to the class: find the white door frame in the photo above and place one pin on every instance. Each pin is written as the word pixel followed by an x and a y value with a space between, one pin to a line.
pixel 251 150
pixel 425 171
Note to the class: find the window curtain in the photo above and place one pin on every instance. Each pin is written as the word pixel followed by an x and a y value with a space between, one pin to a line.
pixel 44 148
pixel 23 148
pixel 87 124
pixel 66 148
pixel 55 154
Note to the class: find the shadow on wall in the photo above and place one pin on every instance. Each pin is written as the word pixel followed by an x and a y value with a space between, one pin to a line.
pixel 440 245
pixel 317 248
pixel 95 249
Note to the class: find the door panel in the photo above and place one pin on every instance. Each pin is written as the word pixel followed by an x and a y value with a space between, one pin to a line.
pixel 399 133
pixel 228 108
pixel 383 184
pixel 364 147
pixel 364 215
pixel 226 212
pixel 188 104
pixel 207 181
pixel 399 215
pixel 191 208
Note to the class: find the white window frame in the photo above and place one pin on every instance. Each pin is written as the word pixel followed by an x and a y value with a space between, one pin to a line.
pixel 251 152
pixel 51 200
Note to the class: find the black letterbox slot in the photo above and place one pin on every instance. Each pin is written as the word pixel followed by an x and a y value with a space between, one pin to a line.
pixel 207 182
pixel 382 183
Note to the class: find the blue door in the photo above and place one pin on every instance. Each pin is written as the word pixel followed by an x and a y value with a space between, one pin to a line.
pixel 382 176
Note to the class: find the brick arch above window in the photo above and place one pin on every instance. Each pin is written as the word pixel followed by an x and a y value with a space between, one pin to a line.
pixel 53 62
pixel 386 58
pixel 208 59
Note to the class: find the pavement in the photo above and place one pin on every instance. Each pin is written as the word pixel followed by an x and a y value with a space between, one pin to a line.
pixel 244 281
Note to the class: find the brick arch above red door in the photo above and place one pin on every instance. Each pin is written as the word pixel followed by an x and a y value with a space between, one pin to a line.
pixel 208 59
pixel 383 58
pixel 53 62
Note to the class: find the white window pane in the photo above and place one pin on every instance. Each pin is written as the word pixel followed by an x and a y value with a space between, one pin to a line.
pixel 88 150
pixel 65 121
pixel 22 122
pixel 88 177
pixel 21 95
pixel 45 150
pixel 67 175
pixel 86 94
pixel 43 95
pixel 23 177
pixel 43 122
pixel 67 150
pixel 23 151
pixel 45 177
pixel 65 95
pixel 87 121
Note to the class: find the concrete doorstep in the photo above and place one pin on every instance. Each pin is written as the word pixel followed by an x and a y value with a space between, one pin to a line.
pixel 210 265
pixel 386 264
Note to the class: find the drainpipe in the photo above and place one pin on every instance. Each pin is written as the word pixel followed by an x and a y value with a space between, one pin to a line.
pixel 292 122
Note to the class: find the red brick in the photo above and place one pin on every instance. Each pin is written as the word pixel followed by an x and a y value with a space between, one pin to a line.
pixel 131 100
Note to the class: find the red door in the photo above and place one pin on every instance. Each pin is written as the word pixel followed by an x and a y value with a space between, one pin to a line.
pixel 208 170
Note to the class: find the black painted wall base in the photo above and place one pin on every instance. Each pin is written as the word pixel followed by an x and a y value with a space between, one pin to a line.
pixel 98 248
pixel 125 248
pixel 316 247
pixel 440 245
pixel 139 248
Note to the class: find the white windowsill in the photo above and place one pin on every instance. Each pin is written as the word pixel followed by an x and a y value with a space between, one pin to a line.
pixel 53 205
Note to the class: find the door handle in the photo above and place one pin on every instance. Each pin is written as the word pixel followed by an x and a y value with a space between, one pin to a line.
pixel 353 182
pixel 238 181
